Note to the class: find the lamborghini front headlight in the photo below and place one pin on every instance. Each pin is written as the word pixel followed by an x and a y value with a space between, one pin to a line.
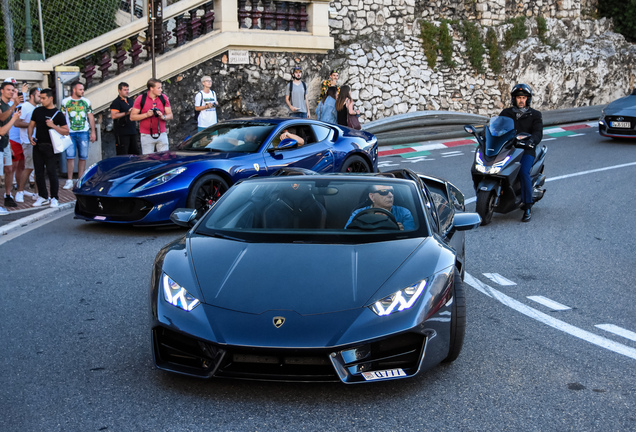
pixel 176 295
pixel 400 300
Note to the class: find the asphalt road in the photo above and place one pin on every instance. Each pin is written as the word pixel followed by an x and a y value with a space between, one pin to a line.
pixel 74 323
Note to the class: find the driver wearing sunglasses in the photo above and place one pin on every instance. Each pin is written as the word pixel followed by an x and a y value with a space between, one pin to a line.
pixel 382 196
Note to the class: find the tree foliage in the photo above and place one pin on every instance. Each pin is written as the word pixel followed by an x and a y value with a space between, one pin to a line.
pixel 623 13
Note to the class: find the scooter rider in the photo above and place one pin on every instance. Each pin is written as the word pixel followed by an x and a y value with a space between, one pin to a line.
pixel 530 121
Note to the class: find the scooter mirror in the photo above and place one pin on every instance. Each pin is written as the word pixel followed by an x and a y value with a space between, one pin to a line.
pixel 470 129
pixel 523 136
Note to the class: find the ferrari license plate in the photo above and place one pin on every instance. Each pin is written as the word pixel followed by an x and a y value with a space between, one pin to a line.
pixel 383 374
pixel 620 124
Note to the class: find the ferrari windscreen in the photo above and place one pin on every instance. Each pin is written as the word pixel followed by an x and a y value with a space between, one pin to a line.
pixel 318 210
pixel 245 137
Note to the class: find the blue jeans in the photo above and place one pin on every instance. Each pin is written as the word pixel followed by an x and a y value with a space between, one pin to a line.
pixel 80 140
pixel 299 114
pixel 524 175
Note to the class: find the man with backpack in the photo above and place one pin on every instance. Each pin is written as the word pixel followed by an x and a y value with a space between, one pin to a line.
pixel 151 109
pixel 205 104
pixel 296 95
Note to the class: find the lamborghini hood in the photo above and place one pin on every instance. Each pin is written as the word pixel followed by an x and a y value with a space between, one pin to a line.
pixel 305 278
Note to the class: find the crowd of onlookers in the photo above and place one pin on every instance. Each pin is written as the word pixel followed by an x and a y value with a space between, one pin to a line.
pixel 30 118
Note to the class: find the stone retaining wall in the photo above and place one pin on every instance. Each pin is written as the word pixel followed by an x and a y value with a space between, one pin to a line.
pixel 379 54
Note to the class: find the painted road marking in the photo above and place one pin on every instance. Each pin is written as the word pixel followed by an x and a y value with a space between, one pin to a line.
pixel 408 151
pixel 387 164
pixel 555 306
pixel 499 279
pixel 591 171
pixel 618 331
pixel 575 135
pixel 551 321
pixel 451 154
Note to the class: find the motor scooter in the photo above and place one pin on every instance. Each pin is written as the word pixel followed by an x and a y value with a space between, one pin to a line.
pixel 497 166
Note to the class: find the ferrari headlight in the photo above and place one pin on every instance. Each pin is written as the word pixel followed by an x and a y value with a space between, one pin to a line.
pixel 87 174
pixel 160 179
pixel 400 300
pixel 176 295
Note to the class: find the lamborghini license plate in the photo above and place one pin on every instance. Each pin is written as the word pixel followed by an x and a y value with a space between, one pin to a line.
pixel 620 124
pixel 383 374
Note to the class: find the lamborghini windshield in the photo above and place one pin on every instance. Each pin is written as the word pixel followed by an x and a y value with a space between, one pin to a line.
pixel 318 209
pixel 245 137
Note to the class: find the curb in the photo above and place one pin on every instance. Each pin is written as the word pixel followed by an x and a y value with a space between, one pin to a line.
pixel 12 226
pixel 422 149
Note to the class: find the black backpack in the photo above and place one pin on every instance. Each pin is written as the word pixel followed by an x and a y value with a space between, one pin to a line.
pixel 291 88
pixel 196 113
pixel 144 96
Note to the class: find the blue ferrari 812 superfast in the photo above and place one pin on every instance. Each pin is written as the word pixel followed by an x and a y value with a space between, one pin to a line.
pixel 144 190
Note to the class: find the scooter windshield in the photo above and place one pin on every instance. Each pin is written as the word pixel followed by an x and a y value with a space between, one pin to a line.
pixel 499 132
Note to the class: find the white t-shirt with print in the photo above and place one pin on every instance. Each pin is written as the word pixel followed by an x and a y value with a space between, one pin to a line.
pixel 207 117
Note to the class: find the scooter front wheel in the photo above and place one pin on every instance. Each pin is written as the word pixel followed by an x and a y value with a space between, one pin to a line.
pixel 485 205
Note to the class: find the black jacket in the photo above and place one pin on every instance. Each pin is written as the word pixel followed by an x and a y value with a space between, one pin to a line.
pixel 529 122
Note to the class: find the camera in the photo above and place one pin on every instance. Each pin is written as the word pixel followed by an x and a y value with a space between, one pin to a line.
pixel 156 112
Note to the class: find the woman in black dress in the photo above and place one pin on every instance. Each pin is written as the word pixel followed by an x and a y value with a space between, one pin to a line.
pixel 344 105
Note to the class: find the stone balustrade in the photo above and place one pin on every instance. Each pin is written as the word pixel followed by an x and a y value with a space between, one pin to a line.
pixel 190 32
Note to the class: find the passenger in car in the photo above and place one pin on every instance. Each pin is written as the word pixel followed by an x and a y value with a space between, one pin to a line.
pixel 289 133
pixel 382 197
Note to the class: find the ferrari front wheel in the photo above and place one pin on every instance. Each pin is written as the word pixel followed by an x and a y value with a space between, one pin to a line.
pixel 458 319
pixel 205 192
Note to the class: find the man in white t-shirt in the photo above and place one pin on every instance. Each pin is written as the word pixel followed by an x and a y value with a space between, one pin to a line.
pixel 27 149
pixel 205 104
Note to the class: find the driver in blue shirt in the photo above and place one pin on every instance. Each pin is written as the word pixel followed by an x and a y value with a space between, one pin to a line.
pixel 381 196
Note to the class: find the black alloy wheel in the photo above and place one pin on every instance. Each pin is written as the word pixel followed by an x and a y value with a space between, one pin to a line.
pixel 355 164
pixel 485 205
pixel 458 319
pixel 205 192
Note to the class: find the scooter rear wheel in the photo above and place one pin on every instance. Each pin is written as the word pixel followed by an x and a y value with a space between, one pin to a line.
pixel 485 206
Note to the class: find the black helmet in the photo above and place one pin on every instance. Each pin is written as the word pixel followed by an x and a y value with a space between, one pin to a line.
pixel 521 90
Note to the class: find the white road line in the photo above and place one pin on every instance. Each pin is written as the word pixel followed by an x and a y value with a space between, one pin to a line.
pixel 617 331
pixel 551 321
pixel 42 220
pixel 555 306
pixel 499 279
pixel 548 139
pixel 451 155
pixel 575 135
pixel 591 171
pixel 452 152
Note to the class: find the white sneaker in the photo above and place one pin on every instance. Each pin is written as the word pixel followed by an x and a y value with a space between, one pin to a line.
pixel 31 195
pixel 3 211
pixel 68 185
pixel 54 203
pixel 19 197
pixel 40 202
